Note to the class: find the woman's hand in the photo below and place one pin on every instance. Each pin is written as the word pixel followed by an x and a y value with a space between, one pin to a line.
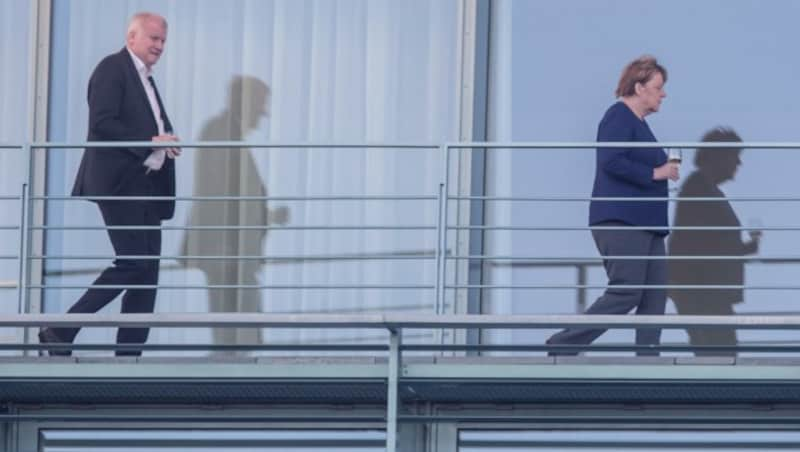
pixel 668 170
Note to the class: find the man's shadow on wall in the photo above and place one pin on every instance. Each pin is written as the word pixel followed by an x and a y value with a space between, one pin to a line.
pixel 231 172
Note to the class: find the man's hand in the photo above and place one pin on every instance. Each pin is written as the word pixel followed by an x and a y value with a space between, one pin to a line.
pixel 171 152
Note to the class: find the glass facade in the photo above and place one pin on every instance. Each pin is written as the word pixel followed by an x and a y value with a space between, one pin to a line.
pixel 352 230
pixel 285 72
pixel 727 66
pixel 14 121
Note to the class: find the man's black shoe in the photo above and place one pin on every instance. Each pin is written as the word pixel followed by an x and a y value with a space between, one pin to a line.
pixel 47 336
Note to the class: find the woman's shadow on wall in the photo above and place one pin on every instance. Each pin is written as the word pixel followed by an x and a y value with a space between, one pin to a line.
pixel 714 166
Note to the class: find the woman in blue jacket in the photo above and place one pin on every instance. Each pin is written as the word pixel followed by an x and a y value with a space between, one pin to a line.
pixel 629 173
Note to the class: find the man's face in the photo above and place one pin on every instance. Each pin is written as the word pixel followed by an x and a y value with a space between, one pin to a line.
pixel 147 41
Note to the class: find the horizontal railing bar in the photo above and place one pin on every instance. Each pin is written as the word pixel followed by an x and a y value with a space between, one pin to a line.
pixel 623 144
pixel 396 320
pixel 624 198
pixel 523 264
pixel 9 228
pixel 583 259
pixel 629 422
pixel 579 320
pixel 622 286
pixel 227 257
pixel 336 417
pixel 239 198
pixel 230 144
pixel 782 347
pixel 418 255
pixel 422 146
pixel 232 228
pixel 417 348
pixel 758 342
pixel 415 227
pixel 197 320
pixel 626 445
pixel 750 342
pixel 625 228
pixel 198 347
pixel 602 348
pixel 233 286
pixel 383 198
pixel 10 198
pixel 399 198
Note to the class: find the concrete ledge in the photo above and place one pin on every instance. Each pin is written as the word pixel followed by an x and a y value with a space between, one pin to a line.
pixel 492 360
pixel 364 359
pixel 767 361
pixel 706 361
pixel 616 360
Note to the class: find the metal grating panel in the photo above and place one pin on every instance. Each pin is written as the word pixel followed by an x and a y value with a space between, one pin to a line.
pixel 176 392
pixel 594 391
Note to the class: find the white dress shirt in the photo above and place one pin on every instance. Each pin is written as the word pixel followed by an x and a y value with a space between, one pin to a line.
pixel 156 158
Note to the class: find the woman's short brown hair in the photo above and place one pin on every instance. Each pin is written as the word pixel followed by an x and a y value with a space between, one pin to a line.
pixel 640 70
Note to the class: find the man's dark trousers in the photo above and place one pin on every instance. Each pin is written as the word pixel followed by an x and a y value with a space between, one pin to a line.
pixel 125 272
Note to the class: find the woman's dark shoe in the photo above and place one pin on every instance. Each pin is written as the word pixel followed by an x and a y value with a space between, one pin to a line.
pixel 48 336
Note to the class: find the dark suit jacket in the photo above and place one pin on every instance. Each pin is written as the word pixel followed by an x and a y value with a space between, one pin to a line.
pixel 628 172
pixel 119 111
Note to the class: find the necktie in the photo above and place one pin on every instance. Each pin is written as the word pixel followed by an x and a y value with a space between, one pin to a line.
pixel 156 158
pixel 167 128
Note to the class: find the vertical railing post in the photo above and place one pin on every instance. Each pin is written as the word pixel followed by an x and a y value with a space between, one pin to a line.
pixel 581 292
pixel 441 246
pixel 22 254
pixel 24 238
pixel 393 387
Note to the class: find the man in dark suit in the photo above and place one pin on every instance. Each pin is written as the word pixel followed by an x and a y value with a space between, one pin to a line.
pixel 124 105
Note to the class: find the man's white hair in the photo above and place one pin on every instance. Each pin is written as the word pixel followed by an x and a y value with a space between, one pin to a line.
pixel 140 18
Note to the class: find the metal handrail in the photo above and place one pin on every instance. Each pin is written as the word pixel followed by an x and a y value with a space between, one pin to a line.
pixel 589 145
pixel 230 144
pixel 233 228
pixel 616 286
pixel 577 260
pixel 282 258
pixel 764 198
pixel 8 284
pixel 232 286
pixel 623 228
pixel 394 321
pixel 239 198
pixel 442 227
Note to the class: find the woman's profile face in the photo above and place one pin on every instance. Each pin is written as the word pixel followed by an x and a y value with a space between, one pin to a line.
pixel 651 93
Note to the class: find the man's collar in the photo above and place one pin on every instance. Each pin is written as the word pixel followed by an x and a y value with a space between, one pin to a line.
pixel 140 66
